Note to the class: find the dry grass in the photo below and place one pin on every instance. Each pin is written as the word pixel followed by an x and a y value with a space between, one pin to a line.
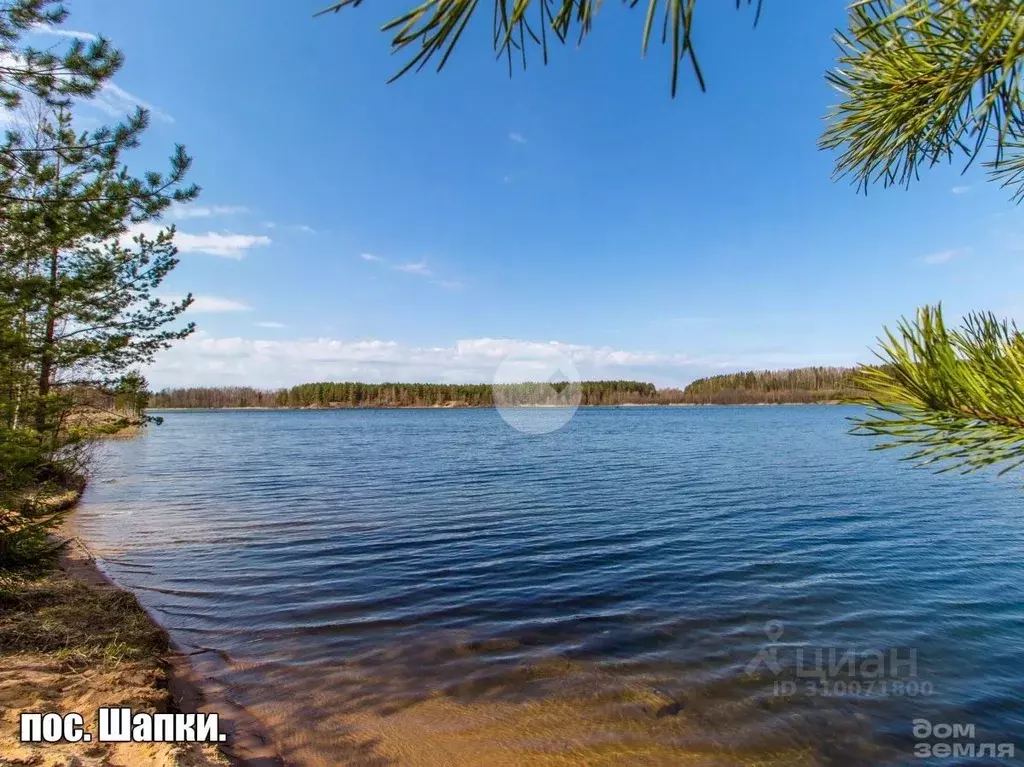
pixel 100 419
pixel 69 645
pixel 74 622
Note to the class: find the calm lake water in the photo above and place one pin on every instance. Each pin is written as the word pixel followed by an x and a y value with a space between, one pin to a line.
pixel 644 586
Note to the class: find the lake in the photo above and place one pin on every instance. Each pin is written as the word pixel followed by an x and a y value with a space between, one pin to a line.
pixel 644 586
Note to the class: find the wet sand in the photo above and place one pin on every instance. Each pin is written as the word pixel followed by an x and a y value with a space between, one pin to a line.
pixel 77 643
pixel 390 708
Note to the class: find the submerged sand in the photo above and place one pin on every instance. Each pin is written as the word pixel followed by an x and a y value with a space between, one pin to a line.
pixel 81 643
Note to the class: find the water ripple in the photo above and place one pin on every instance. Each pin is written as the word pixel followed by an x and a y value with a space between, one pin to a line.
pixel 596 594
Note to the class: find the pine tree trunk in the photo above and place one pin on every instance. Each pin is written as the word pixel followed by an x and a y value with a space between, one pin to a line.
pixel 46 361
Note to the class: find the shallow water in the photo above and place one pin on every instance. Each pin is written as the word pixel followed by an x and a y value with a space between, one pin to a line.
pixel 432 586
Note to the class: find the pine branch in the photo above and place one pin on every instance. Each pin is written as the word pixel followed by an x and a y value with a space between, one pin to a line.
pixel 925 81
pixel 431 30
pixel 55 77
pixel 955 396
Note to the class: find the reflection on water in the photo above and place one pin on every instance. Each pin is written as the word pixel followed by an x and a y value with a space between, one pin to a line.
pixel 645 586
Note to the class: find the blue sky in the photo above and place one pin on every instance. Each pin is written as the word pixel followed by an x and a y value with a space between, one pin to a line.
pixel 351 229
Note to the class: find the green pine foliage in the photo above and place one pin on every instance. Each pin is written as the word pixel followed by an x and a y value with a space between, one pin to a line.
pixel 954 396
pixel 76 289
pixel 79 311
pixel 924 81
pixel 55 77
pixel 430 31
pixel 921 82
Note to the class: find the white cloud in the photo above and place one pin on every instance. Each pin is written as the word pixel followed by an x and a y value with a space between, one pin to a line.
pixel 518 138
pixel 418 267
pixel 450 284
pixel 117 102
pixel 960 189
pixel 304 228
pixel 211 304
pixel 203 359
pixel 205 211
pixel 111 99
pixel 226 245
pixel 25 117
pixel 942 257
pixel 271 325
pixel 45 29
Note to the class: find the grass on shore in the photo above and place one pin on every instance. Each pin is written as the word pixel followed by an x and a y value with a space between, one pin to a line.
pixel 69 643
pixel 75 623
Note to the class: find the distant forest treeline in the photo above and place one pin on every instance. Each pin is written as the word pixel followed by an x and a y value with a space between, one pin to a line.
pixel 349 394
pixel 802 385
pixel 815 384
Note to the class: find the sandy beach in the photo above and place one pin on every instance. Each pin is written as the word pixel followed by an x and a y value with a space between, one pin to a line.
pixel 72 641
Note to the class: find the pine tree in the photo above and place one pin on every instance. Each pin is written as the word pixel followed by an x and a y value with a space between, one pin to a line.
pixel 77 285
pixel 79 309
pixel 56 78
pixel 48 78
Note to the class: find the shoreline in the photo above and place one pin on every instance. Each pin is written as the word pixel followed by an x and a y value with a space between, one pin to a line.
pixel 823 403
pixel 248 744
pixel 148 671
pixel 178 681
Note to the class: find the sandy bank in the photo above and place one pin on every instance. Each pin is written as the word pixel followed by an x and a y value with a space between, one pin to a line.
pixel 71 641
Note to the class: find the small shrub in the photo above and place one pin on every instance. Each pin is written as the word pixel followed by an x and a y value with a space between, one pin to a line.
pixel 37 487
